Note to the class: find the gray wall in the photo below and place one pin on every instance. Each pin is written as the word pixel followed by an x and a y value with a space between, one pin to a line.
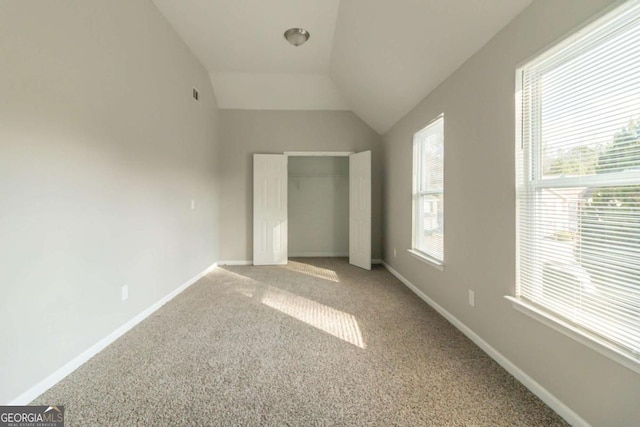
pixel 102 149
pixel 478 104
pixel 318 201
pixel 245 132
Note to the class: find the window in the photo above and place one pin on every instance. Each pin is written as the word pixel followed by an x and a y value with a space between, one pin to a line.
pixel 428 191
pixel 578 183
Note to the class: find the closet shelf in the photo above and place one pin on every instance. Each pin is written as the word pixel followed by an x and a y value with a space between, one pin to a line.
pixel 318 176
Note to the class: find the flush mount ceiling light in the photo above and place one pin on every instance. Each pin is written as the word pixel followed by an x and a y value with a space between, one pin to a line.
pixel 296 36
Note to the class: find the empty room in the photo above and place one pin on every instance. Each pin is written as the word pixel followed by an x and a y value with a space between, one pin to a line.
pixel 320 213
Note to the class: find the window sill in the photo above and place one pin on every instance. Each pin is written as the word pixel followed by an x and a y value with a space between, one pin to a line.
pixel 591 340
pixel 427 259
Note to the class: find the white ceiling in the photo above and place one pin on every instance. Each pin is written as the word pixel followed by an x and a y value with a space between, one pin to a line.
pixel 250 91
pixel 378 58
pixel 247 36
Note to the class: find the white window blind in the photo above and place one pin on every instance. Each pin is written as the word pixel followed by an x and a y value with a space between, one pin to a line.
pixel 428 190
pixel 578 188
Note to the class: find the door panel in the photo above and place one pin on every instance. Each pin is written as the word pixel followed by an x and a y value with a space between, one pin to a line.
pixel 360 209
pixel 269 209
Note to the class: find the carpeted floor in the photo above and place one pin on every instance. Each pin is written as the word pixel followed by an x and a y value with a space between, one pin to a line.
pixel 314 343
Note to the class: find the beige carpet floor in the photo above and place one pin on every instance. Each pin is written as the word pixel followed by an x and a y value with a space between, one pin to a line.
pixel 314 343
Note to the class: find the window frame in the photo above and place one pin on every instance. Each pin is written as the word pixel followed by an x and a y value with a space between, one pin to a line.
pixel 529 167
pixel 419 193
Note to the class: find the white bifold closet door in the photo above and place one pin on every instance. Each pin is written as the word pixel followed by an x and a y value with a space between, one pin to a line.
pixel 269 209
pixel 360 209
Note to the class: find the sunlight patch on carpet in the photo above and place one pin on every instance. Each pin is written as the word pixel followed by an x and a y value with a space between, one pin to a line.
pixel 312 270
pixel 334 322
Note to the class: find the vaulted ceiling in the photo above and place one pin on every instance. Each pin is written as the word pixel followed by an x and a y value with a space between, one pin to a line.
pixel 378 58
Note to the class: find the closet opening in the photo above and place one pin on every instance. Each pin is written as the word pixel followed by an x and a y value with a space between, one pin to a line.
pixel 318 206
pixel 329 212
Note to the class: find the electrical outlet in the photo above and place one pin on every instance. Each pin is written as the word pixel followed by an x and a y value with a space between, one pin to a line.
pixel 193 204
pixel 395 253
pixel 125 292
pixel 472 298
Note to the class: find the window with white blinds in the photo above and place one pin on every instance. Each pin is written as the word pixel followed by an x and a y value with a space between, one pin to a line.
pixel 428 191
pixel 578 181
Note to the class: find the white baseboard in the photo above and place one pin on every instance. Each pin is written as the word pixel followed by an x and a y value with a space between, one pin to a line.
pixel 553 402
pixel 44 385
pixel 250 262
pixel 236 262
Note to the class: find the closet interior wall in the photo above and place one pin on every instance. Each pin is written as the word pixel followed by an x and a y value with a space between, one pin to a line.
pixel 318 198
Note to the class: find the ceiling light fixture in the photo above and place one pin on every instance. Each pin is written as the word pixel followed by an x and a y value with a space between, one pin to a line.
pixel 296 36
